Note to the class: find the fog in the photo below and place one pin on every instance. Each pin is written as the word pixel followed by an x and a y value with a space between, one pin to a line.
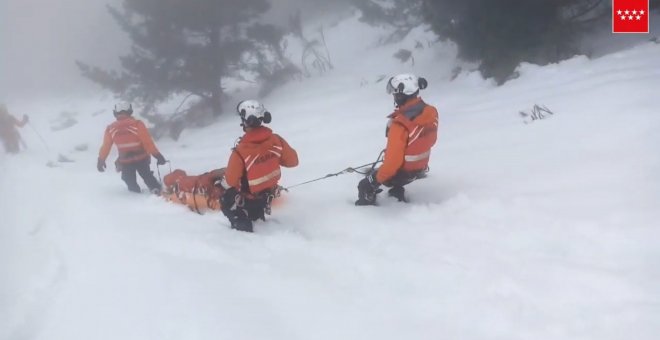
pixel 41 39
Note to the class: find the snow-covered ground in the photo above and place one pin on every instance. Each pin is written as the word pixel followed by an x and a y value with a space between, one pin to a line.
pixel 546 230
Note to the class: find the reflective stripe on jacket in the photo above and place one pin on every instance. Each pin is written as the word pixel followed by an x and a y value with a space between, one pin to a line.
pixel 133 141
pixel 256 160
pixel 412 133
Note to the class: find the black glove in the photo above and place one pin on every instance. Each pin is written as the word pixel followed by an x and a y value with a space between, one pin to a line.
pixel 100 165
pixel 160 159
pixel 369 185
pixel 367 190
pixel 118 166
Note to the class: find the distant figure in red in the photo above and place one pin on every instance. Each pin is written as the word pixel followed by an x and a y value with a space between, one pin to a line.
pixel 11 139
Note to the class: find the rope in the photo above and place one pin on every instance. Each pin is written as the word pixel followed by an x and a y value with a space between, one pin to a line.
pixel 347 170
pixel 160 179
pixel 194 197
pixel 158 169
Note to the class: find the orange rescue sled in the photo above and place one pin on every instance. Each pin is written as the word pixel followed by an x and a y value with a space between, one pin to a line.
pixel 196 192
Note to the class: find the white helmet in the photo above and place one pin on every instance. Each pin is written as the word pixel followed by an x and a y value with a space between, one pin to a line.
pixel 123 107
pixel 253 113
pixel 408 84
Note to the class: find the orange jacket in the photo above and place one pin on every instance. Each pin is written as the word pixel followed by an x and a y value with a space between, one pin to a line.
pixel 255 162
pixel 132 138
pixel 8 124
pixel 412 132
pixel 7 120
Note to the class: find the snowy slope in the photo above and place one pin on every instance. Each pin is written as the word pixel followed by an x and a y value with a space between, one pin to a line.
pixel 545 230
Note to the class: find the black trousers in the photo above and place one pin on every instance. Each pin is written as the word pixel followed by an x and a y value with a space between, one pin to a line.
pixel 252 208
pixel 11 143
pixel 242 210
pixel 403 178
pixel 128 174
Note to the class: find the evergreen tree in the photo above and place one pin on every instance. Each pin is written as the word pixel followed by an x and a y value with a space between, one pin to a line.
pixel 180 47
pixel 402 15
pixel 502 33
pixel 497 33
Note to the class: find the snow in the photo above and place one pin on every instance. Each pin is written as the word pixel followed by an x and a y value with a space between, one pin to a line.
pixel 545 230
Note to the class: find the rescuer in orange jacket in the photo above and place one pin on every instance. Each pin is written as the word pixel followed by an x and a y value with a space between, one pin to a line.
pixel 135 147
pixel 11 139
pixel 412 131
pixel 252 174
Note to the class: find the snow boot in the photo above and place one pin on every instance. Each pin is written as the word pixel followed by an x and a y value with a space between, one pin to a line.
pixel 242 224
pixel 240 220
pixel 398 192
pixel 366 198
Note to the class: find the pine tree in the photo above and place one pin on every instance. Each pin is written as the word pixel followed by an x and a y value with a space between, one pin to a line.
pixel 179 47
pixel 499 34
pixel 402 15
pixel 502 33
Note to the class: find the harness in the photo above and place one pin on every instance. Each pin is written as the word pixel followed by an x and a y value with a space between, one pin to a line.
pixel 416 132
pixel 265 196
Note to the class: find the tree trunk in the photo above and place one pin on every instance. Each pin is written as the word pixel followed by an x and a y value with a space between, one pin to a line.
pixel 216 101
pixel 216 69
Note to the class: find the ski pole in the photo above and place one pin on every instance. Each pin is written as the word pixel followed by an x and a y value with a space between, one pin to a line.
pixel 23 144
pixel 40 137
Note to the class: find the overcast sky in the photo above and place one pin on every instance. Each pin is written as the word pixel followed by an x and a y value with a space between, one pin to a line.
pixel 41 39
